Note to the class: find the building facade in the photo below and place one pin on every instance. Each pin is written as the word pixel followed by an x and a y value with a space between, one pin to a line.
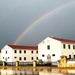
pixel 49 50
pixel 12 53
pixel 53 48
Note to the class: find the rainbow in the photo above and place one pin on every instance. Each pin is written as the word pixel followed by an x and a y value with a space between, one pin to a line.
pixel 39 19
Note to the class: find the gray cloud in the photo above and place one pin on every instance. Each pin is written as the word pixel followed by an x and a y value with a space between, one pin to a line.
pixel 15 16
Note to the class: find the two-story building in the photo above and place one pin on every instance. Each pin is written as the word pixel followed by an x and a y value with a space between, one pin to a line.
pixel 12 53
pixel 52 48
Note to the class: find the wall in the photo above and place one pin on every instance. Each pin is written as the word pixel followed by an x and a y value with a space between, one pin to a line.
pixel 67 51
pixel 7 56
pixel 28 55
pixel 55 48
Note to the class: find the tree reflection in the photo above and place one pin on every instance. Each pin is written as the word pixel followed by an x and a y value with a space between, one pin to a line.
pixel 49 70
pixel 63 71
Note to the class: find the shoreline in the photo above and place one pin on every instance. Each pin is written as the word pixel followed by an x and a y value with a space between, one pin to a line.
pixel 47 67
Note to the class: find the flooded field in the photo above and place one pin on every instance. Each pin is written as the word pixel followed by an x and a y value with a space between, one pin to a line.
pixel 38 71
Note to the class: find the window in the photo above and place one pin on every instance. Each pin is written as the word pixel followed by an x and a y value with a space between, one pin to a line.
pixel 43 55
pixel 15 51
pixel 6 52
pixel 31 58
pixel 24 58
pixel 20 51
pixel 74 56
pixel 73 46
pixel 68 46
pixel 36 58
pixel 20 58
pixel 37 52
pixel 69 56
pixel 31 51
pixel 15 57
pixel 48 47
pixel 53 54
pixel 64 46
pixel 24 51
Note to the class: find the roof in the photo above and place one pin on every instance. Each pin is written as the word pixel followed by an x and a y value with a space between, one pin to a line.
pixel 23 47
pixel 63 40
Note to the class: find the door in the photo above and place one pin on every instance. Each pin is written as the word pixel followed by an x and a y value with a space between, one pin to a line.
pixel 48 58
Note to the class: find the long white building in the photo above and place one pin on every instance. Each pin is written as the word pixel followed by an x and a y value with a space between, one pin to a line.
pixel 13 53
pixel 52 48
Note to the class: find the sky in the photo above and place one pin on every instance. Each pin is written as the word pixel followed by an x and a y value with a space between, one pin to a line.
pixel 28 22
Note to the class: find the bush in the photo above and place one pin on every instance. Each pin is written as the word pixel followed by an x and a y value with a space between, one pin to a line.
pixel 40 61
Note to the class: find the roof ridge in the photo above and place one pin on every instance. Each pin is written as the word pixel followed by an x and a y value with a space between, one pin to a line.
pixel 23 47
pixel 19 45
pixel 63 40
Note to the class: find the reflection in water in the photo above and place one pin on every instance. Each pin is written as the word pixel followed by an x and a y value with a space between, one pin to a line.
pixel 64 71
pixel 34 71
pixel 49 70
pixel 67 71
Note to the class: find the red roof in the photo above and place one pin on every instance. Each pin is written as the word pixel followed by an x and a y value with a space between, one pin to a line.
pixel 23 47
pixel 64 40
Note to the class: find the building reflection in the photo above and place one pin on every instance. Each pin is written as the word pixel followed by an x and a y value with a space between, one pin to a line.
pixel 66 71
pixel 45 71
pixel 18 71
pixel 49 70
pixel 35 71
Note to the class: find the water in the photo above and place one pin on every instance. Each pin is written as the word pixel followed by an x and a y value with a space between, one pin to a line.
pixel 30 71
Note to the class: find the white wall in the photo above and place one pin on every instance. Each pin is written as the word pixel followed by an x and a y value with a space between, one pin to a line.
pixel 55 48
pixel 67 51
pixel 28 55
pixel 70 62
pixel 8 55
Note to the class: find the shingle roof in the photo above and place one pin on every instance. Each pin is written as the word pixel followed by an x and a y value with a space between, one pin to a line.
pixel 63 40
pixel 23 47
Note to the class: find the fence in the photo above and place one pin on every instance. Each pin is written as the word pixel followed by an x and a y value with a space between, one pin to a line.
pixel 25 64
pixel 10 63
pixel 20 63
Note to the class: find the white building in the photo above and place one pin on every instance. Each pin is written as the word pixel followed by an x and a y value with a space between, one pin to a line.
pixel 51 48
pixel 0 55
pixel 12 53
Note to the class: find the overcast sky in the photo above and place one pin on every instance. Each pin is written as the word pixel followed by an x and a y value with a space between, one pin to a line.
pixel 57 19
